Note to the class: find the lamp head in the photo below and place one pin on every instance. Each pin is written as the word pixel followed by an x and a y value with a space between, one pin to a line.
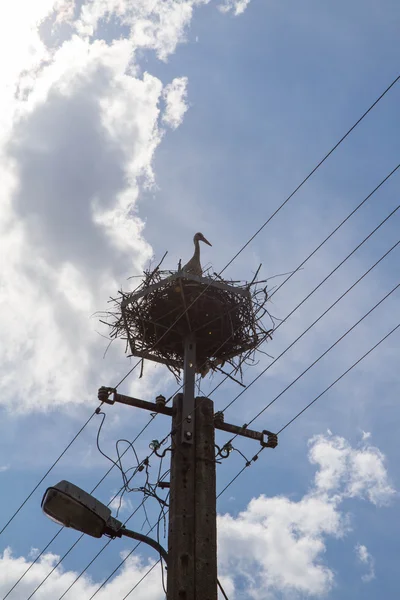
pixel 68 505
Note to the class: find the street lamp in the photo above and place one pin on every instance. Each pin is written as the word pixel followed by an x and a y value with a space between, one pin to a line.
pixel 68 505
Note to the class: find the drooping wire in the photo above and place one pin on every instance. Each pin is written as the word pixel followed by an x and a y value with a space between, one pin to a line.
pixel 339 378
pixel 369 312
pixel 47 472
pixel 61 529
pixel 236 255
pixel 98 553
pixel 306 298
pixel 336 300
pixel 277 210
pixel 313 171
pixel 313 402
pixel 248 463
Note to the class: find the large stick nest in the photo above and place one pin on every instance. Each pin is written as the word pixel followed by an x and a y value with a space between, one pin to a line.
pixel 224 318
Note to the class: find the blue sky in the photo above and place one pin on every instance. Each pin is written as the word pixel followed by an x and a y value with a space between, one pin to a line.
pixel 126 129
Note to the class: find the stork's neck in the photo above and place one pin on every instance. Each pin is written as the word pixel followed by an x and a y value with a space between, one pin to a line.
pixel 196 249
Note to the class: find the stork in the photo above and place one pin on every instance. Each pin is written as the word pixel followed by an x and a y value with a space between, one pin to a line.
pixel 194 265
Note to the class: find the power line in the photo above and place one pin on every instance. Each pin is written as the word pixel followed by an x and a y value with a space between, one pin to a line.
pixel 304 409
pixel 339 378
pixel 304 300
pixel 325 312
pixel 261 228
pixel 311 403
pixel 47 472
pixel 287 199
pixel 222 590
pixel 336 229
pixel 308 257
pixel 60 530
pixel 367 237
pixel 313 171
pixel 120 565
pixel 105 545
pixel 332 346
pixel 140 580
pixel 339 339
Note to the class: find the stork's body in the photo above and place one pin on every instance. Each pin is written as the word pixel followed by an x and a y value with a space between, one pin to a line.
pixel 194 265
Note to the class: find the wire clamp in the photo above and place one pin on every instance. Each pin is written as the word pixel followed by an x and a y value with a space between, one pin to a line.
pixel 272 439
pixel 104 394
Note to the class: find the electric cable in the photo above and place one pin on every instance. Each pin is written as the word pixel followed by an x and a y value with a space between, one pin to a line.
pixel 61 529
pixel 48 471
pixel 313 171
pixel 332 346
pixel 287 199
pixel 342 294
pixel 304 300
pixel 309 296
pixel 316 321
pixel 98 553
pixel 311 403
pixel 73 546
pixel 388 88
pixel 339 378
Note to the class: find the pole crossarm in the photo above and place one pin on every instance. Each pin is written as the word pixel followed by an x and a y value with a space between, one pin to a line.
pixel 266 438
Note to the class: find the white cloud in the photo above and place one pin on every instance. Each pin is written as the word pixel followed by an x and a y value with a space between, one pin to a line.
pixel 366 559
pixel 79 127
pixel 278 544
pixel 158 25
pixel 351 472
pixel 175 94
pixel 236 6
pixel 120 505
pixel 133 569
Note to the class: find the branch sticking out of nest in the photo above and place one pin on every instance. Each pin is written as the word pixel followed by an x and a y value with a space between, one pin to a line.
pixel 223 317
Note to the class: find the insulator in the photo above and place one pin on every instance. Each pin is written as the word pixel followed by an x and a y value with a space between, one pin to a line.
pixel 160 401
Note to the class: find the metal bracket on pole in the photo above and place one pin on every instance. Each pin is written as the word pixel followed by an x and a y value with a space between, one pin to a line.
pixel 188 406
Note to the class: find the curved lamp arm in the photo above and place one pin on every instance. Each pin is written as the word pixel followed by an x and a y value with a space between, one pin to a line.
pixel 147 540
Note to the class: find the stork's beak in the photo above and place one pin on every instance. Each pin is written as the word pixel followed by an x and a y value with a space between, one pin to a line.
pixel 203 239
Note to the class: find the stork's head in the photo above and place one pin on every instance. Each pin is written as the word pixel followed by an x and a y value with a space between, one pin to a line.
pixel 199 237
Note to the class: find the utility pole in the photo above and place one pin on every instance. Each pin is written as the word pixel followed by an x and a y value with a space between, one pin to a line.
pixel 192 536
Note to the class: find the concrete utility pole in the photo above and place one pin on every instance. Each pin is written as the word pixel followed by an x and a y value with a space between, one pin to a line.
pixel 192 539
pixel 217 320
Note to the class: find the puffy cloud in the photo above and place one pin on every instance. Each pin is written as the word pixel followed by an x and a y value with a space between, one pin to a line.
pixel 120 504
pixel 11 568
pixel 70 234
pixel 275 546
pixel 351 472
pixel 237 7
pixel 365 558
pixel 158 25
pixel 175 98
pixel 79 127
pixel 278 544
